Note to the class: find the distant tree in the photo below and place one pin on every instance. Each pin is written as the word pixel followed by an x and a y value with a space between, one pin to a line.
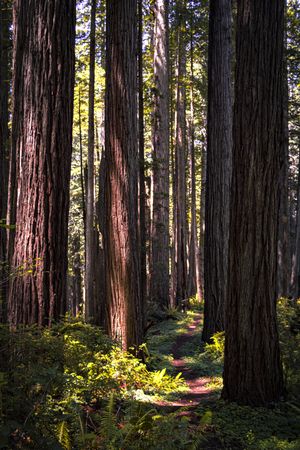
pixel 218 173
pixel 180 277
pixel 159 285
pixel 194 283
pixel 122 250
pixel 43 80
pixel 295 276
pixel 293 63
pixel 90 241
pixel 252 369
pixel 284 250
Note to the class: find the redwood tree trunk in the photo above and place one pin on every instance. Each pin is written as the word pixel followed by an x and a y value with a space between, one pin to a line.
pixel 159 287
pixel 295 275
pixel 252 369
pixel 194 268
pixel 42 141
pixel 284 249
pixel 122 252
pixel 90 263
pixel 219 143
pixel 180 209
pixel 5 19
pixel 142 186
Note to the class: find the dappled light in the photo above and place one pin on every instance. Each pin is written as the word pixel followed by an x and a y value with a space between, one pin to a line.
pixel 149 225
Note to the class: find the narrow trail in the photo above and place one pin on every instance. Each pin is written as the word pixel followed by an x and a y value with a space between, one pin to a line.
pixel 197 390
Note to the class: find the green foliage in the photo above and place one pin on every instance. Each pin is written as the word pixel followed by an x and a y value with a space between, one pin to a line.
pixel 71 387
pixel 288 313
pixel 216 348
pixel 55 384
pixel 231 426
pixel 63 436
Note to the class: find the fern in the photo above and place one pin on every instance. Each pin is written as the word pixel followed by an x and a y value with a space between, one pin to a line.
pixel 63 436
pixel 110 431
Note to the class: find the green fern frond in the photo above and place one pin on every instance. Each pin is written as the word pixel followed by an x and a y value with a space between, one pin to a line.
pixel 63 435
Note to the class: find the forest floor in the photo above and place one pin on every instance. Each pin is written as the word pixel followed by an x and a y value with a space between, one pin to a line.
pixel 176 345
pixel 198 389
pixel 71 387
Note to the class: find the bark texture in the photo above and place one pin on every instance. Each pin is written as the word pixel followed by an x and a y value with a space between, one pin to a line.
pixel 284 248
pixel 122 252
pixel 42 142
pixel 5 20
pixel 159 292
pixel 295 275
pixel 218 170
pixel 252 369
pixel 142 186
pixel 90 263
pixel 194 285
pixel 180 210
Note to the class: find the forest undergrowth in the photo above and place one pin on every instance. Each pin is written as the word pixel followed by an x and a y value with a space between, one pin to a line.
pixel 71 387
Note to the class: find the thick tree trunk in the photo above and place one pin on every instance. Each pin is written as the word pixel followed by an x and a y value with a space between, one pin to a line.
pixel 142 187
pixel 5 20
pixel 180 285
pixel 122 252
pixel 159 285
pixel 42 141
pixel 200 285
pixel 219 143
pixel 252 369
pixel 90 241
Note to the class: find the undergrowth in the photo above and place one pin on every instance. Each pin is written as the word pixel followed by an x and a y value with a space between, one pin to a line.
pixel 71 387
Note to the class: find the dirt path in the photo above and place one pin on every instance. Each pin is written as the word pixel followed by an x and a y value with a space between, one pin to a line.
pixel 197 385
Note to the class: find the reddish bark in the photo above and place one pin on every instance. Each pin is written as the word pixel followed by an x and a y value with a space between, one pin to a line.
pixel 42 142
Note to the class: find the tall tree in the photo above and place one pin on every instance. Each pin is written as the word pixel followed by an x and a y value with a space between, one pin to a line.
pixel 159 287
pixel 180 208
pixel 284 250
pixel 90 241
pixel 122 252
pixel 295 273
pixel 44 35
pixel 5 20
pixel 252 369
pixel 194 283
pixel 219 144
pixel 142 186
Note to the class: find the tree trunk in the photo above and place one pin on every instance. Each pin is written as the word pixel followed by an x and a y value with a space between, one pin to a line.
pixel 219 143
pixel 76 304
pixel 284 249
pixel 194 269
pixel 252 369
pixel 82 184
pixel 101 317
pixel 295 276
pixel 122 252
pixel 200 286
pixel 90 301
pixel 42 142
pixel 5 20
pixel 142 187
pixel 180 235
pixel 159 290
